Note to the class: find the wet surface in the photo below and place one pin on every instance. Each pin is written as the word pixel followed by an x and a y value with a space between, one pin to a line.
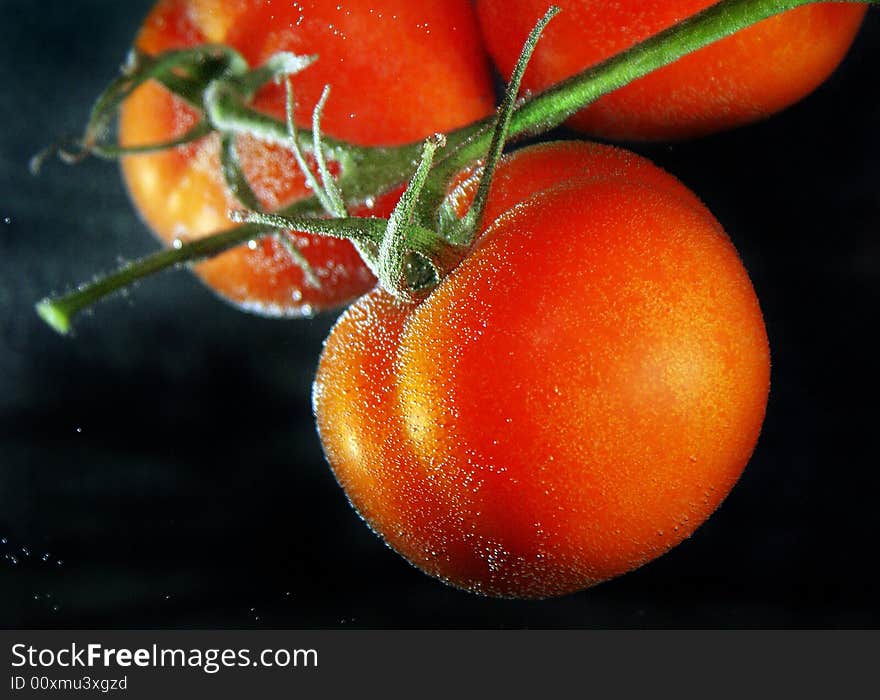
pixel 161 468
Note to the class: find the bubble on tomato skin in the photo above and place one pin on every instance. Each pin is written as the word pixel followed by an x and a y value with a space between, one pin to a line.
pixel 271 310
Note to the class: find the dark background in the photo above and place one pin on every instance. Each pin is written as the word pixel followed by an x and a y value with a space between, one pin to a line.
pixel 161 469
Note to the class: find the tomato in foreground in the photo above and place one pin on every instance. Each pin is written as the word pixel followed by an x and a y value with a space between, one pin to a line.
pixel 743 78
pixel 399 72
pixel 574 399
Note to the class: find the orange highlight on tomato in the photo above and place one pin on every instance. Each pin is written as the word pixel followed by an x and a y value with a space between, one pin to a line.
pixel 576 398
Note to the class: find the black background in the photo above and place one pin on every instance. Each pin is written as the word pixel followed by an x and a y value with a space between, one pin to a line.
pixel 161 468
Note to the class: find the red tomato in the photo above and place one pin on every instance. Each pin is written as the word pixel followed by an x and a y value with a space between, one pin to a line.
pixel 572 401
pixel 748 76
pixel 399 71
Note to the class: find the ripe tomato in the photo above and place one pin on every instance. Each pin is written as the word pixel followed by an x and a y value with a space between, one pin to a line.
pixel 738 80
pixel 399 70
pixel 571 401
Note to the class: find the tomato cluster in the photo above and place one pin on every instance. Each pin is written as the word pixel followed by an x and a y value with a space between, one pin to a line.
pixel 585 387
pixel 426 60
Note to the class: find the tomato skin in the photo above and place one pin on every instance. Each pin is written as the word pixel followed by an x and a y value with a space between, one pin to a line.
pixel 424 58
pixel 741 79
pixel 546 165
pixel 573 400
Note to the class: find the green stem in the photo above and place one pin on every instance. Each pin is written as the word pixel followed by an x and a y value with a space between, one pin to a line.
pixel 464 231
pixel 365 171
pixel 59 312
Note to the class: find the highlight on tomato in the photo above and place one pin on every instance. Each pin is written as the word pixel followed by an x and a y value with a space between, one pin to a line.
pixel 746 77
pixel 573 400
pixel 423 58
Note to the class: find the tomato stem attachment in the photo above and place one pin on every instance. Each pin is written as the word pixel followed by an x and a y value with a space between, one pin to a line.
pixel 395 262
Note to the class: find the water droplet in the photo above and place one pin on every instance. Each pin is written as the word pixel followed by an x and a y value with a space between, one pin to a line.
pixel 177 244
pixel 252 244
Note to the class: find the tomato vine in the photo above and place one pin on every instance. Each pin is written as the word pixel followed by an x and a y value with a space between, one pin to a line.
pixel 218 82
